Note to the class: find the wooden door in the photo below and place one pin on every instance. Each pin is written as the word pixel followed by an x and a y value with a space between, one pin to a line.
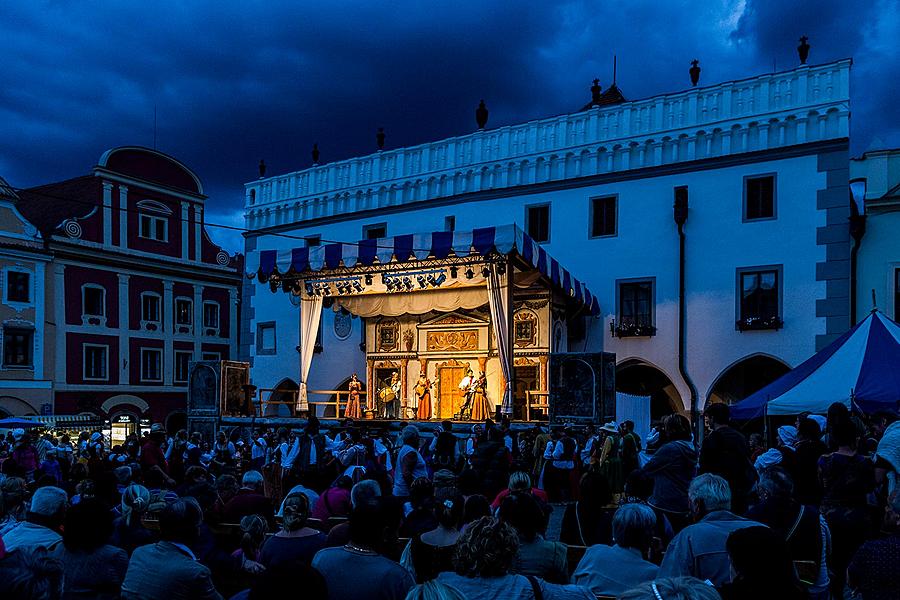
pixel 451 397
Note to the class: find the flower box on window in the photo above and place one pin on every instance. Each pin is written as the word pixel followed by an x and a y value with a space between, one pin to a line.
pixel 622 330
pixel 760 323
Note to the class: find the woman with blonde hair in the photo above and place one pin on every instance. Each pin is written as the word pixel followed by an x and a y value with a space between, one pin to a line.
pixel 295 542
pixel 128 530
pixel 432 590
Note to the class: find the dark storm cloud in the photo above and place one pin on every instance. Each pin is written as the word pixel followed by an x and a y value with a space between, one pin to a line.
pixel 235 82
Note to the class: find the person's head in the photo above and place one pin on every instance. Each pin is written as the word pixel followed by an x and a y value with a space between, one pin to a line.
pixel 595 490
pixel 524 513
pixel 672 588
pixel 343 482
pixel 421 492
pixel 837 412
pixel 633 526
pixel 755 441
pixel 486 549
pixel 226 487
pixel 48 507
pixel 89 525
pixel 31 573
pixel 628 426
pixel 221 438
pixel 476 506
pixel 410 435
pixel 312 425
pixel 135 500
pixel 775 485
pixel 639 485
pixel 364 492
pixel 677 428
pixel 449 512
pixel 195 474
pixel 519 481
pixel 368 524
pixel 759 555
pixel 434 590
pixel 253 530
pixel 787 436
pixel 880 421
pixel 708 493
pixel 180 521
pixel 447 426
pixel 717 415
pixel 13 492
pixel 843 433
pixel 123 475
pixel 253 480
pixel 808 429
pixel 295 511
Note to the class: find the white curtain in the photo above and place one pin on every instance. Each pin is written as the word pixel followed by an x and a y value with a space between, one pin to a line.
pixel 310 316
pixel 498 302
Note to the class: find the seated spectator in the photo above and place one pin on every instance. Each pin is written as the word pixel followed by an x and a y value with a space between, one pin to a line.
pixel 536 556
pixel 874 572
pixel 93 568
pixel 589 520
pixel 226 488
pixel 418 515
pixel 762 567
pixel 253 534
pixel 519 481
pixel 432 590
pixel 364 492
pixel 335 501
pixel 485 555
pixel 800 526
pixel 361 558
pixel 43 523
pixel 672 588
pixel 30 573
pixel 249 500
pixel 611 570
pixel 182 576
pixel 12 503
pixel 274 581
pixel 474 508
pixel 432 552
pixel 199 486
pixel 638 489
pixel 128 530
pixel 295 543
pixel 699 549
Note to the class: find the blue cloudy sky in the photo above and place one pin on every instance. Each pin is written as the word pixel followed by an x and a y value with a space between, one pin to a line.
pixel 233 82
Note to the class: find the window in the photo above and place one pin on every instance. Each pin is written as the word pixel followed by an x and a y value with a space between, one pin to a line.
pixel 759 298
pixel 211 315
pixel 537 222
pixel 151 364
pixel 184 311
pixel 153 227
pixel 150 307
pixel 373 232
pixel 635 309
pixel 450 223
pixel 313 241
pixel 265 338
pixel 603 216
pixel 182 360
pixel 759 197
pixel 212 356
pixel 95 362
pixel 18 286
pixel 17 347
pixel 93 300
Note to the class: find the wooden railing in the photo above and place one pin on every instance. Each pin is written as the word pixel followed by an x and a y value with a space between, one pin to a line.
pixel 339 402
pixel 542 403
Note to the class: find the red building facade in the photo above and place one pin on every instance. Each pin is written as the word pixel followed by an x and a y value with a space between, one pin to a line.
pixel 141 289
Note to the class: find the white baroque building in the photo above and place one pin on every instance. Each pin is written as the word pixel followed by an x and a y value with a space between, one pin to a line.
pixel 764 161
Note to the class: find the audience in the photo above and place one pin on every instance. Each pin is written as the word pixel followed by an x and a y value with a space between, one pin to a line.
pixel 249 500
pixel 536 556
pixel 432 552
pixel 762 567
pixel 43 523
pixel 295 543
pixel 726 453
pixel 672 468
pixel 32 574
pixel 588 521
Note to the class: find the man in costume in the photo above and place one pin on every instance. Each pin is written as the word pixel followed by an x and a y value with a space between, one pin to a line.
pixel 467 386
pixel 390 396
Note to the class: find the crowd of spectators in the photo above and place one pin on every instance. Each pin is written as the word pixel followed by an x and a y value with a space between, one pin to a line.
pixel 367 511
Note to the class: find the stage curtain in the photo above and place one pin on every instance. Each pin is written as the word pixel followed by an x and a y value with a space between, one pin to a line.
pixel 498 299
pixel 310 315
pixel 413 303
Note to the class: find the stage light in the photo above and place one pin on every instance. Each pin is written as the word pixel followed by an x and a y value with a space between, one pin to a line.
pixel 485 272
pixel 439 280
pixel 423 283
pixel 357 286
pixel 470 273
pixel 501 268
pixel 309 289
pixel 368 279
pixel 408 283
pixel 453 271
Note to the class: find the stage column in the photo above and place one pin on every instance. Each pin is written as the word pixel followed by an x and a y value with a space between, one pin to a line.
pixel 404 373
pixel 370 384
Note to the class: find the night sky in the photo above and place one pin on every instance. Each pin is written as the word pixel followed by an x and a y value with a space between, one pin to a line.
pixel 233 82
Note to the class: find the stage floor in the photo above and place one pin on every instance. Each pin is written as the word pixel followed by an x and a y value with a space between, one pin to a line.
pixel 394 425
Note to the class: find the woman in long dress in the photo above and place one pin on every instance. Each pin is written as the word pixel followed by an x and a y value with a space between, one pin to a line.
pixel 353 410
pixel 481 410
pixel 423 395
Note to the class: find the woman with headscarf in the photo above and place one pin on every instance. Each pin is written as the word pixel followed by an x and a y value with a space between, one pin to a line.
pixel 783 454
pixel 296 541
pixel 128 531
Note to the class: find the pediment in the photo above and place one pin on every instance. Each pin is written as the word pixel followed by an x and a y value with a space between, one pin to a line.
pixel 454 318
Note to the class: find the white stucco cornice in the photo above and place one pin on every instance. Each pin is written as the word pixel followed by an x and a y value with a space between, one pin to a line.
pixel 803 105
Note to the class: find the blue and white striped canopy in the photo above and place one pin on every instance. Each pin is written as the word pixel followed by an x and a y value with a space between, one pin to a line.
pixel 504 239
pixel 862 366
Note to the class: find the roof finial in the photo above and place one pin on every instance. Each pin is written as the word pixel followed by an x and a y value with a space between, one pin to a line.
pixel 379 138
pixel 803 49
pixel 695 71
pixel 481 115
pixel 315 154
pixel 262 168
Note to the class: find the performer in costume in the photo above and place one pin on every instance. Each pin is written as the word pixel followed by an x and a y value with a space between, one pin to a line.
pixel 353 410
pixel 423 396
pixel 390 396
pixel 481 410
pixel 467 386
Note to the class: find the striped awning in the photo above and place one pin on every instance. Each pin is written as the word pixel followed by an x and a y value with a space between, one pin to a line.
pixel 504 239
pixel 68 420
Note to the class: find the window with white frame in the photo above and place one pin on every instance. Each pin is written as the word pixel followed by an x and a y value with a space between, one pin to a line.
pixel 151 365
pixel 150 308
pixel 93 301
pixel 95 362
pixel 18 286
pixel 184 312
pixel 211 315
pixel 153 227
pixel 265 338
pixel 182 360
pixel 18 347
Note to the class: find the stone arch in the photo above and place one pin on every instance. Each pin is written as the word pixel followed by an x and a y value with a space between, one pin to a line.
pixel 745 377
pixel 113 402
pixel 11 406
pixel 283 391
pixel 640 377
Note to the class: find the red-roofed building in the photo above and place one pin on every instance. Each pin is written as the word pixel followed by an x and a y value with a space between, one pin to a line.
pixel 141 289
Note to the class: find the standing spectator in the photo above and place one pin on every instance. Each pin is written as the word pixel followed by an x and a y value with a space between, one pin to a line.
pixel 631 448
pixel 152 456
pixel 874 572
pixel 410 464
pixel 182 576
pixel 807 451
pixel 672 468
pixel 444 448
pixel 258 451
pixel 94 569
pixel 611 570
pixel 699 549
pixel 295 542
pixel 725 453
pixel 609 457
pixel 536 556
pixel 591 439
pixel 24 456
pixel 44 521
pixel 762 567
pixel 560 457
pixel 224 455
pixel 361 558
pixel 51 467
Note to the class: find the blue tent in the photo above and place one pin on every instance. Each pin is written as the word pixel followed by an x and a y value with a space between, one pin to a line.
pixel 861 367
pixel 18 423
